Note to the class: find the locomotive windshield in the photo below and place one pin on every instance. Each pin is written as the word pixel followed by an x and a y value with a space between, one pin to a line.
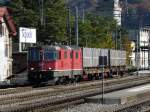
pixel 51 55
pixel 34 54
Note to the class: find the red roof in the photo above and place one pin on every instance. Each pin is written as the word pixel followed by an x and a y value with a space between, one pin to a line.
pixel 9 21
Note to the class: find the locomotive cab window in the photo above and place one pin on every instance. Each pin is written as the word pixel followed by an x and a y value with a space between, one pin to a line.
pixel 65 55
pixel 51 55
pixel 56 55
pixel 34 54
pixel 77 55
pixel 71 55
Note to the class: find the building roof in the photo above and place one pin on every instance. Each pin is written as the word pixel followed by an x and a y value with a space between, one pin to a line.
pixel 8 20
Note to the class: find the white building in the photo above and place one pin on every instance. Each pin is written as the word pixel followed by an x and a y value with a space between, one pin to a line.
pixel 7 30
pixel 117 12
pixel 140 59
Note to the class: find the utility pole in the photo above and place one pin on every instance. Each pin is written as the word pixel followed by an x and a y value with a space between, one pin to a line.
pixel 120 47
pixel 83 15
pixel 116 37
pixel 83 12
pixel 69 27
pixel 125 13
pixel 41 4
pixel 138 47
pixel 137 51
pixel 126 6
pixel 76 26
pixel 103 80
pixel 120 39
pixel 149 50
pixel 68 22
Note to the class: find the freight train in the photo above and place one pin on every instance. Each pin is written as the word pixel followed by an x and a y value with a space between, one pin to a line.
pixel 61 64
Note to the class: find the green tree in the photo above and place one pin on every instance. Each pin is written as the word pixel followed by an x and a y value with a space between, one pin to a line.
pixel 27 14
pixel 124 43
pixel 85 34
pixel 96 32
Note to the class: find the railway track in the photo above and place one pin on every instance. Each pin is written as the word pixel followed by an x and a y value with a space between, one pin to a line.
pixel 12 90
pixel 69 86
pixel 52 98
pixel 73 101
pixel 15 90
pixel 56 90
pixel 140 106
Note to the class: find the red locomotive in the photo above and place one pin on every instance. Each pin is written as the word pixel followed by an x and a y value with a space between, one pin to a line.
pixel 52 62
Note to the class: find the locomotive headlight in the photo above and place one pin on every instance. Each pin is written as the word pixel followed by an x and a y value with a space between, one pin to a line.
pixel 32 68
pixel 49 68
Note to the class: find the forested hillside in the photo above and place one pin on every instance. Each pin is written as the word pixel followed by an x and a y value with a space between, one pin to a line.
pixel 52 23
pixel 139 10
pixel 139 14
pixel 96 31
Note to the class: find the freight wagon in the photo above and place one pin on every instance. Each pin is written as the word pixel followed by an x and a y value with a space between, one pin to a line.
pixel 96 61
pixel 71 63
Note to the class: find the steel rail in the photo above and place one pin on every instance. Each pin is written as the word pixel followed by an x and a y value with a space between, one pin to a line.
pixel 40 102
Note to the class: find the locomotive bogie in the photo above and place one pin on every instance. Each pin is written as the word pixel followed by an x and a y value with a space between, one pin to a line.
pixel 40 76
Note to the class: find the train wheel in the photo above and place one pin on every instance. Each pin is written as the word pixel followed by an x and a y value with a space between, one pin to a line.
pixel 56 81
pixel 85 77
pixel 90 77
pixel 77 78
pixel 71 80
pixel 97 76
pixel 61 80
pixel 67 80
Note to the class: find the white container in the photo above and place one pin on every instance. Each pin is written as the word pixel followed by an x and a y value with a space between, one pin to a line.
pixel 91 57
pixel 117 58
